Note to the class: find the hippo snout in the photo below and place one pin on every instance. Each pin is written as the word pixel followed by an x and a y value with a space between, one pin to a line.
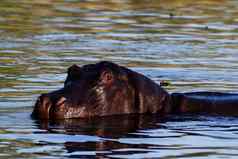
pixel 51 106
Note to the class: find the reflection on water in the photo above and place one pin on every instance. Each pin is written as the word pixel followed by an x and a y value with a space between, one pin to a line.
pixel 119 137
pixel 192 44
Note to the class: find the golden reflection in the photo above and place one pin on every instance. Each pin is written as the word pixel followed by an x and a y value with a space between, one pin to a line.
pixel 42 37
pixel 34 17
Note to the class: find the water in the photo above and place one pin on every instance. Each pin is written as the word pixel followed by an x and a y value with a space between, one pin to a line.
pixel 191 44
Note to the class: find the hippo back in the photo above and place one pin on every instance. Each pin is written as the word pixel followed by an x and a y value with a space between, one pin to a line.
pixel 205 102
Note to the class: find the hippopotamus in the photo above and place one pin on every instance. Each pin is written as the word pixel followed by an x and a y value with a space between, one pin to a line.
pixel 106 88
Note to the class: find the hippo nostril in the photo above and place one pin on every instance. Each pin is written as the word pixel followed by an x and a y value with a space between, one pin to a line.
pixel 45 102
pixel 61 101
pixel 42 107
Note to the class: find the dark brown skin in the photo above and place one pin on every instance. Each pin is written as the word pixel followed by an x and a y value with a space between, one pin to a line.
pixel 105 89
pixel 205 102
pixel 102 89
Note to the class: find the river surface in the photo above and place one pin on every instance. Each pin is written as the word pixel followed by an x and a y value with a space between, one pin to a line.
pixel 191 44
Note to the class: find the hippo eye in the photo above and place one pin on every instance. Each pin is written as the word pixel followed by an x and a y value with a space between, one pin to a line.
pixel 107 77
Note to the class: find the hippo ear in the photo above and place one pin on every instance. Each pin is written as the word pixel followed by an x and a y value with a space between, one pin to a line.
pixel 73 73
pixel 106 77
pixel 74 70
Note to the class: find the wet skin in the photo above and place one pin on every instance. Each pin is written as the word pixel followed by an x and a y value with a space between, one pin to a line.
pixel 205 102
pixel 105 89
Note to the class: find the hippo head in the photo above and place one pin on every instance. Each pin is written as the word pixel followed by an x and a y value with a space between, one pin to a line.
pixel 101 89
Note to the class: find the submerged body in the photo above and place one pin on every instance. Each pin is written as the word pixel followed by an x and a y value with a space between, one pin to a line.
pixel 205 102
pixel 105 88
